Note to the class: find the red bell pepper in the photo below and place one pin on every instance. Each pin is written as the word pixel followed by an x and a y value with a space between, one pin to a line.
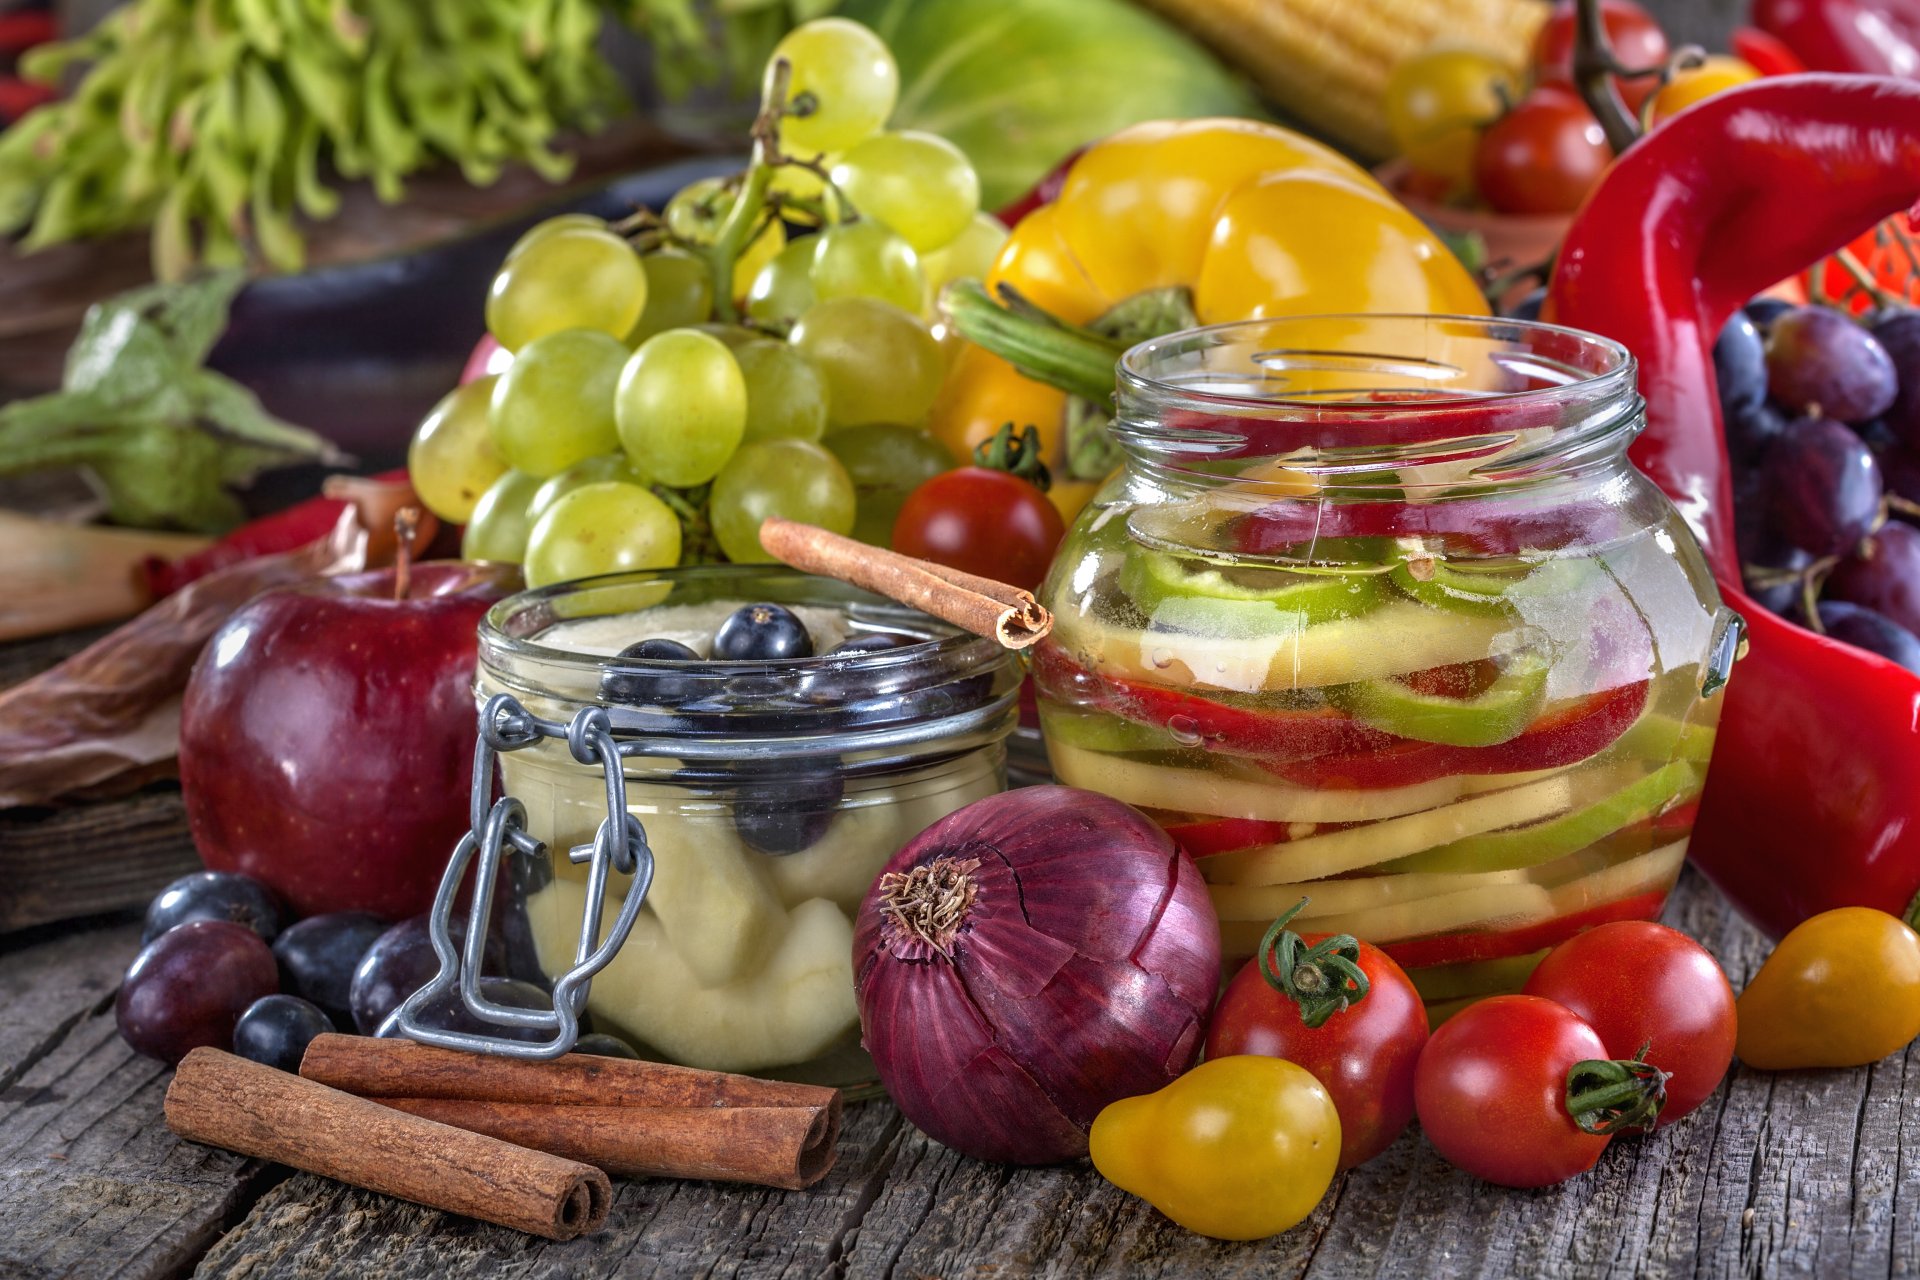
pixel 1813 796
pixel 1874 37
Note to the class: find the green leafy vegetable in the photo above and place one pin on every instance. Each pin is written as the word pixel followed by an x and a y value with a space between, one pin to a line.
pixel 161 436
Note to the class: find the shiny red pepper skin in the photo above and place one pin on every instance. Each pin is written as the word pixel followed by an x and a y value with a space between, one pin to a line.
pixel 1813 795
pixel 1870 37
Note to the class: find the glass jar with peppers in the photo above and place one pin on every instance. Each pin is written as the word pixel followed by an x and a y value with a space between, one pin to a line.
pixel 1379 615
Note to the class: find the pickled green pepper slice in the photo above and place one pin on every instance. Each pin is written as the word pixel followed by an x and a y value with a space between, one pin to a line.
pixel 1500 712
pixel 1240 600
pixel 1433 582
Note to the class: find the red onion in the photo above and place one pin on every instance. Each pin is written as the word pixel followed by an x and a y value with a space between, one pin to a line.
pixel 1028 960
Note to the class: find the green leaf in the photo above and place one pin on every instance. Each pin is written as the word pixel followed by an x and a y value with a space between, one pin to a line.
pixel 237 413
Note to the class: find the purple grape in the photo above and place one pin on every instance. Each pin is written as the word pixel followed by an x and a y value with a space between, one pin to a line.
pixel 602 1045
pixel 399 963
pixel 215 895
pixel 1822 487
pixel 1883 574
pixel 1751 429
pixel 1763 311
pixel 1865 629
pixel 190 985
pixel 1820 360
pixel 1877 435
pixel 1899 333
pixel 448 1012
pixel 318 956
pixel 1528 307
pixel 1740 365
pixel 1782 598
pixel 276 1030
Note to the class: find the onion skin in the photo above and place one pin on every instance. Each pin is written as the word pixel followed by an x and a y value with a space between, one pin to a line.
pixel 1081 972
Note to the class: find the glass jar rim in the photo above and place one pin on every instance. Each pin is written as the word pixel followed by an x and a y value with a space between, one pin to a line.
pixel 774 689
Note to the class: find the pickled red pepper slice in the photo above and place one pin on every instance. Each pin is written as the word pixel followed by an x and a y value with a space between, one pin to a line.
pixel 1496 715
pixel 1277 734
pixel 1460 947
pixel 1560 737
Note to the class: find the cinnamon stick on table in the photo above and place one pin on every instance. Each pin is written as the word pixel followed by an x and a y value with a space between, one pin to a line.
pixel 632 1118
pixel 227 1101
pixel 997 610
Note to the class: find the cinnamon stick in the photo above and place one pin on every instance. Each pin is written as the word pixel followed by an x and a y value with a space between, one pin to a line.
pixel 227 1101
pixel 983 606
pixel 635 1118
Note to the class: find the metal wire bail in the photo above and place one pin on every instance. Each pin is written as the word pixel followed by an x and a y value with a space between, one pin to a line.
pixel 620 844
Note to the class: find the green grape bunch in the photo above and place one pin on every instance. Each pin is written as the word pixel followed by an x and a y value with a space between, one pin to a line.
pixel 766 345
pixel 218 123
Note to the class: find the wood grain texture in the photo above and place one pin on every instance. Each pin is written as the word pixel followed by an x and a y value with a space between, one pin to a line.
pixel 87 859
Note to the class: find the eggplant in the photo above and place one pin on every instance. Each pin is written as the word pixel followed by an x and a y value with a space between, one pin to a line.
pixel 360 352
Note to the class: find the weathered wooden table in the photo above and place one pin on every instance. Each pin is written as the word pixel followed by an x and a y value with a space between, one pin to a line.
pixel 1777 1175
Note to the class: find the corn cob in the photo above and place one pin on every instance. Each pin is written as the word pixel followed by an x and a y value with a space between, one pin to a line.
pixel 1326 62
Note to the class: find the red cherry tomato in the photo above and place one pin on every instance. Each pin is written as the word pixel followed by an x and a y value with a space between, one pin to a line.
pixel 982 521
pixel 1637 40
pixel 1638 983
pixel 1541 157
pixel 1364 1055
pixel 1491 1091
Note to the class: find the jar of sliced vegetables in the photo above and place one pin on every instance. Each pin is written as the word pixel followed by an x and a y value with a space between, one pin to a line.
pixel 1380 615
pixel 779 737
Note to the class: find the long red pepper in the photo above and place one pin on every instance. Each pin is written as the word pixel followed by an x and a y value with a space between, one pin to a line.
pixel 1813 795
pixel 1876 37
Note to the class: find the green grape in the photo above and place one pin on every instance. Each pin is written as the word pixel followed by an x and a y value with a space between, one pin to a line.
pixel 601 528
pixel 969 256
pixel 682 407
pixel 595 470
pixel 848 74
pixel 792 182
pixel 866 259
pixel 498 528
pixel 886 463
pixel 559 222
pixel 917 183
pixel 786 396
pixel 573 278
pixel 695 215
pixel 731 336
pixel 880 364
pixel 784 287
pixel 452 457
pixel 679 293
pixel 554 404
pixel 792 478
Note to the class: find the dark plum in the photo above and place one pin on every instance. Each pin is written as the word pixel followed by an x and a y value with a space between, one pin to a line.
pixel 1883 574
pixel 190 985
pixel 602 1045
pixel 319 954
pixel 788 806
pixel 276 1030
pixel 1740 365
pixel 1865 629
pixel 1819 359
pixel 448 1012
pixel 650 688
pixel 760 633
pixel 399 963
pixel 215 895
pixel 1899 333
pixel 1764 311
pixel 1822 487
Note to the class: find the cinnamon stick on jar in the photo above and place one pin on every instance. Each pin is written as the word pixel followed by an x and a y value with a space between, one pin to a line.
pixel 997 610
pixel 631 1118
pixel 227 1101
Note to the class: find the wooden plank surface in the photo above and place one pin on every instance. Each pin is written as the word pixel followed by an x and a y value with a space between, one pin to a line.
pixel 1792 1174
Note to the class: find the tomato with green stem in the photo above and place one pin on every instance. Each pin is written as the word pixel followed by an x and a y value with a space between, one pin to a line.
pixel 992 519
pixel 1640 984
pixel 1342 1009
pixel 1520 1091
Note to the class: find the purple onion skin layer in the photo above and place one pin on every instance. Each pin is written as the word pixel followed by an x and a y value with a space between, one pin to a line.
pixel 1082 973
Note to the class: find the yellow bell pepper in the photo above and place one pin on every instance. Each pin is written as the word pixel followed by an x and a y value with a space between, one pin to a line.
pixel 1174 223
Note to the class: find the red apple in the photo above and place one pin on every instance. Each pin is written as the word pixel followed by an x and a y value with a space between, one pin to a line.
pixel 326 736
